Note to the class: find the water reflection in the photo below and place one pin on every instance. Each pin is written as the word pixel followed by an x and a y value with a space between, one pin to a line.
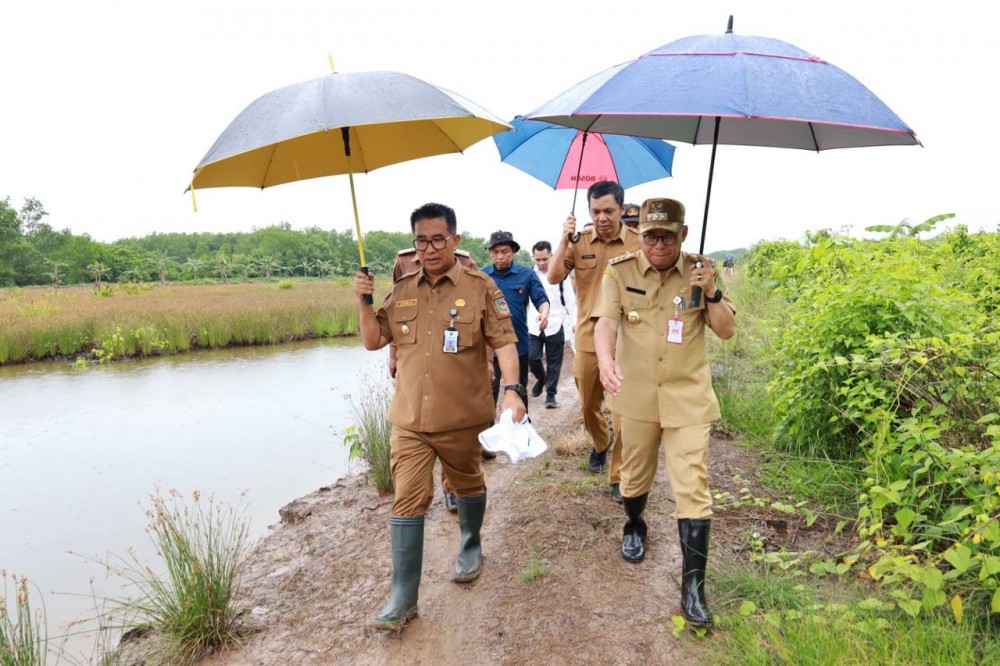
pixel 81 449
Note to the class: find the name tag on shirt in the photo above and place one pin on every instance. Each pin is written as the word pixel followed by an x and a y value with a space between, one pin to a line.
pixel 675 331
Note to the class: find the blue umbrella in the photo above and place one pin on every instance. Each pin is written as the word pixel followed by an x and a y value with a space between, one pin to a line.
pixel 732 89
pixel 562 158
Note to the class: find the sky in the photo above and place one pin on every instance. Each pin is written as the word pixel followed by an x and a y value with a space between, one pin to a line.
pixel 107 106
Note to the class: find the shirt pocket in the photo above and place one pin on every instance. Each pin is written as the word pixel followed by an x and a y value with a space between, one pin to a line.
pixel 465 324
pixel 638 305
pixel 404 326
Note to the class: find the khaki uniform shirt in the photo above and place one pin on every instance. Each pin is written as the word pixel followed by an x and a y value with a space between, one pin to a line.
pixel 663 381
pixel 589 257
pixel 438 391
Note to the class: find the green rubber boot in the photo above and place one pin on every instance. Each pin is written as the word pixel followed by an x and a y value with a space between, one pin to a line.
pixel 469 562
pixel 407 561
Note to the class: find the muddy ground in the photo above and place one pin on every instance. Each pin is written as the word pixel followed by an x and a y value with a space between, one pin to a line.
pixel 554 588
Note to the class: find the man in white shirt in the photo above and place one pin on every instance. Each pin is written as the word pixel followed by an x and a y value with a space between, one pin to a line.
pixel 551 342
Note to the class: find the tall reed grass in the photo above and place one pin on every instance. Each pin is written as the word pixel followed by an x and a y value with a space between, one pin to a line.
pixel 369 437
pixel 39 323
pixel 23 636
pixel 189 609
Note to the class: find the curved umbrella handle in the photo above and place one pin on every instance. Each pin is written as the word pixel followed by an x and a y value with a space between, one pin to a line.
pixel 574 238
pixel 368 297
pixel 696 291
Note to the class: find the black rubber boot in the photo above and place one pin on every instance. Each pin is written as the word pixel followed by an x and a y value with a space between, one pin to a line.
pixel 407 560
pixel 694 550
pixel 634 534
pixel 469 562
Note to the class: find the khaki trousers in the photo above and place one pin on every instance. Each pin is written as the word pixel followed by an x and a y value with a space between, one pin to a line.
pixel 686 452
pixel 588 385
pixel 412 459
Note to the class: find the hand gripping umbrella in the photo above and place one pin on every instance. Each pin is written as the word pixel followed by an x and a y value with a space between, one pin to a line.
pixel 731 89
pixel 562 158
pixel 383 118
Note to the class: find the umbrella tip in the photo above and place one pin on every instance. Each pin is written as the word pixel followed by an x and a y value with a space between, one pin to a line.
pixel 729 28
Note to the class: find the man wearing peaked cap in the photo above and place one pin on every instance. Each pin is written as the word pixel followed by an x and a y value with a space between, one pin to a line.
pixel 630 218
pixel 519 285
pixel 650 343
pixel 606 239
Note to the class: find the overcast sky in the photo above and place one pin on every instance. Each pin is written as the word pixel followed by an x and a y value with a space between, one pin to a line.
pixel 108 106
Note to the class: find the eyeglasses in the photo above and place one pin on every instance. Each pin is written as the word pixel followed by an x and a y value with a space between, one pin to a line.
pixel 438 242
pixel 666 239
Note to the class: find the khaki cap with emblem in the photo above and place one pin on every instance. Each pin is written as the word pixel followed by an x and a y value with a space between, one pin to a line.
pixel 665 214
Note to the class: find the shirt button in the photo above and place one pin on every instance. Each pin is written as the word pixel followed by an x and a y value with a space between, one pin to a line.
pixel 427 397
pixel 427 376
pixel 428 332
pixel 427 354
pixel 430 312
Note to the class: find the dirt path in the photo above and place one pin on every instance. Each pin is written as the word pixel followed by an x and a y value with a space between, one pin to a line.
pixel 318 578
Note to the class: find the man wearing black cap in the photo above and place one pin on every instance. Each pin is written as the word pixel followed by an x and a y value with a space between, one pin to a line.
pixel 630 218
pixel 519 284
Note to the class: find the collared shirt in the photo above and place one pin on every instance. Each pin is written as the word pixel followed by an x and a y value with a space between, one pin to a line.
pixel 589 257
pixel 559 314
pixel 438 391
pixel 407 261
pixel 663 382
pixel 519 284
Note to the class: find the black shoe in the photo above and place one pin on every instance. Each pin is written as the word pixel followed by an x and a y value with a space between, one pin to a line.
pixel 550 403
pixel 486 455
pixel 536 390
pixel 597 460
pixel 616 493
pixel 451 502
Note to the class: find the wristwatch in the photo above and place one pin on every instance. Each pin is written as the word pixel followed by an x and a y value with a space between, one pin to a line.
pixel 518 388
pixel 714 298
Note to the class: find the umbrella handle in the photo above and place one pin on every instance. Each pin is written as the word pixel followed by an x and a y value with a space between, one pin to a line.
pixel 696 291
pixel 574 238
pixel 368 297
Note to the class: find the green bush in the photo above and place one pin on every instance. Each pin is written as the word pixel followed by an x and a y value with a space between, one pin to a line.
pixel 848 299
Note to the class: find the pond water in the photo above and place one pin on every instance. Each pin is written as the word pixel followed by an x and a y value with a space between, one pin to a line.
pixel 81 450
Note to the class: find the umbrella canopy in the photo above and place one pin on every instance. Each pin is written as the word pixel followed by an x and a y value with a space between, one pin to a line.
pixel 764 91
pixel 286 135
pixel 732 89
pixel 564 158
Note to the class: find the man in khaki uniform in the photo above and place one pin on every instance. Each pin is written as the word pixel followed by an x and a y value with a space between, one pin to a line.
pixel 606 239
pixel 441 318
pixel 407 261
pixel 650 343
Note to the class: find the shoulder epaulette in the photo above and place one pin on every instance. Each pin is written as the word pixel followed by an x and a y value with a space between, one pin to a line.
pixel 462 253
pixel 632 229
pixel 406 275
pixel 624 257
pixel 408 250
pixel 472 271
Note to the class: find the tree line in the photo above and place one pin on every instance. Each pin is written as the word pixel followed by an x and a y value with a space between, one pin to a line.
pixel 32 252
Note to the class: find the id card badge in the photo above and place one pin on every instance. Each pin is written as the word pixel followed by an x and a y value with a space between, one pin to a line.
pixel 450 341
pixel 675 330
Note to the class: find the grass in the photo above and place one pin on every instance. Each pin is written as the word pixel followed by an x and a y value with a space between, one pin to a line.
pixel 536 568
pixel 39 323
pixel 189 609
pixel 23 637
pixel 369 438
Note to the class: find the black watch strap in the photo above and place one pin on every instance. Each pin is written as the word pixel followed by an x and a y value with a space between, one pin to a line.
pixel 519 388
pixel 715 298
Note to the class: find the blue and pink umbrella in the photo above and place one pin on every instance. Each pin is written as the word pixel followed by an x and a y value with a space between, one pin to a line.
pixel 567 158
